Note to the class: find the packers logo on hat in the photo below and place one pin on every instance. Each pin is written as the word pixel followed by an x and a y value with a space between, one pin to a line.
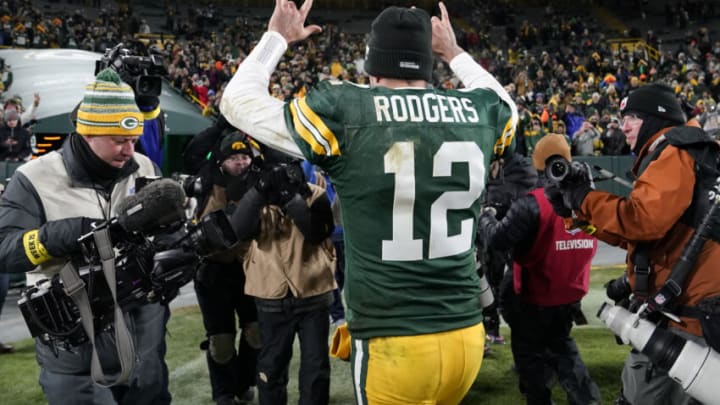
pixel 129 123
pixel 108 108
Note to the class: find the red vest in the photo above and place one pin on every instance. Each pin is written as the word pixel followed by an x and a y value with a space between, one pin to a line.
pixel 556 269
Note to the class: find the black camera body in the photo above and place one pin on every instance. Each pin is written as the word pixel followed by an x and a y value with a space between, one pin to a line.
pixel 618 289
pixel 279 182
pixel 153 260
pixel 558 170
pixel 53 316
pixel 142 73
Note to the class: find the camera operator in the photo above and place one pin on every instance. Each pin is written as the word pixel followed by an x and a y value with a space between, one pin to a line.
pixel 289 270
pixel 220 282
pixel 511 177
pixel 675 169
pixel 52 201
pixel 550 275
pixel 142 74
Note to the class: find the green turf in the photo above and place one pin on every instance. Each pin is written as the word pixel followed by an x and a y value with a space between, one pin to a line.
pixel 496 384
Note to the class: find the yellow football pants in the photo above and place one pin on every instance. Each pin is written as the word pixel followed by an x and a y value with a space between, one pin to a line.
pixel 431 369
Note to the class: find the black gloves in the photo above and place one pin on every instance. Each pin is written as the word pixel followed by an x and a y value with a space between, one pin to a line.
pixel 577 185
pixel 569 194
pixel 486 221
pixel 172 269
pixel 488 216
pixel 279 184
pixel 555 196
pixel 60 237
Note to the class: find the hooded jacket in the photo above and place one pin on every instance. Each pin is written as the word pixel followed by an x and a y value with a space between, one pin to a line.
pixel 651 215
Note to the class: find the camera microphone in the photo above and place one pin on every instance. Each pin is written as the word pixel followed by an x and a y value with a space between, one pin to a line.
pixel 159 204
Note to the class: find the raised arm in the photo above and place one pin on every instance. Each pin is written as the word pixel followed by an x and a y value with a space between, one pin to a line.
pixel 472 75
pixel 246 103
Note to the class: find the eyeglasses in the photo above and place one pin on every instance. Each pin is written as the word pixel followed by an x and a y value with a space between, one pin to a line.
pixel 630 119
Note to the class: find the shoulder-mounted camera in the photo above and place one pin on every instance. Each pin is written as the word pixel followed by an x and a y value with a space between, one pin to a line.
pixel 142 73
pixel 156 250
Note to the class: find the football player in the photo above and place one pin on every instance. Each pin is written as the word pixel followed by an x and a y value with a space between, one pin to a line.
pixel 408 162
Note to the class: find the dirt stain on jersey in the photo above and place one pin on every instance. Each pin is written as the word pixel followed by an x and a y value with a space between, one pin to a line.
pixel 397 154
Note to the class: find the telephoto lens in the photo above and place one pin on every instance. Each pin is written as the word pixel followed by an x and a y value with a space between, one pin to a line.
pixel 485 298
pixel 695 367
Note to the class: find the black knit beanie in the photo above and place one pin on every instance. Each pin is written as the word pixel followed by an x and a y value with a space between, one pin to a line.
pixel 232 143
pixel 657 106
pixel 400 45
pixel 654 99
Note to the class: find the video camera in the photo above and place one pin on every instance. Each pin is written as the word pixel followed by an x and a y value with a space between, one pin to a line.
pixel 142 73
pixel 156 252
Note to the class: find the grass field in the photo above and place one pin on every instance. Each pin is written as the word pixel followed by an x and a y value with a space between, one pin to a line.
pixel 496 384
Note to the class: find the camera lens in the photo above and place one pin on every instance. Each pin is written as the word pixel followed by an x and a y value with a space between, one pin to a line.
pixel 558 169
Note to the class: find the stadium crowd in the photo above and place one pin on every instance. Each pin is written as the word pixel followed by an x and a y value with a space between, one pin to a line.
pixel 561 75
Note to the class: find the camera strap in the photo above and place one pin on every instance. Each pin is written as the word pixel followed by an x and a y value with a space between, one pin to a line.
pixel 642 271
pixel 75 289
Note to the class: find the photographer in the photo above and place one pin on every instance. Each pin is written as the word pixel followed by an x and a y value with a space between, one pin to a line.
pixel 510 178
pixel 52 201
pixel 550 275
pixel 289 270
pixel 676 174
pixel 220 180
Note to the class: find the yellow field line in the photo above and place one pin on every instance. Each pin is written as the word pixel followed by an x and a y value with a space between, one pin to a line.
pixel 608 267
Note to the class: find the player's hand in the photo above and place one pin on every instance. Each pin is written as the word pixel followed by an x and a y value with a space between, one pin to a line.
pixel 444 44
pixel 289 22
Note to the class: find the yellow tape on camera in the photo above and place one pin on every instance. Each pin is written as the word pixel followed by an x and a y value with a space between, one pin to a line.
pixel 34 250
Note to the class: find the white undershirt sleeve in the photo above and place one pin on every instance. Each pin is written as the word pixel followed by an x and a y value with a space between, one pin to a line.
pixel 475 76
pixel 247 104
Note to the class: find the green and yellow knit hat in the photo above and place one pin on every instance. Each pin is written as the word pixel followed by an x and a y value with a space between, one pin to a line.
pixel 108 108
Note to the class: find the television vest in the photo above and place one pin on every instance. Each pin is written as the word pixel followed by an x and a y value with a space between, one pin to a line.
pixel 556 269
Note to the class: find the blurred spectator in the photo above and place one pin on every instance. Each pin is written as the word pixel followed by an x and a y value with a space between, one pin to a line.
pixel 584 139
pixel 14 139
pixel 613 139
pixel 573 119
pixel 533 134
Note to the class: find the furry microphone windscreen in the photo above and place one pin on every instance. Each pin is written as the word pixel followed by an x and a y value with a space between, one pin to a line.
pixel 158 204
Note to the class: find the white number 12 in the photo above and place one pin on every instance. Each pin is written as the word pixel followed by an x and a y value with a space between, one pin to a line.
pixel 400 160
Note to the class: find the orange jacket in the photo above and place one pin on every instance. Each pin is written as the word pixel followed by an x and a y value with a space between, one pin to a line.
pixel 651 214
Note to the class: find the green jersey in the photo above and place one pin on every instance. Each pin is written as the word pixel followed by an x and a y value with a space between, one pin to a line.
pixel 409 167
